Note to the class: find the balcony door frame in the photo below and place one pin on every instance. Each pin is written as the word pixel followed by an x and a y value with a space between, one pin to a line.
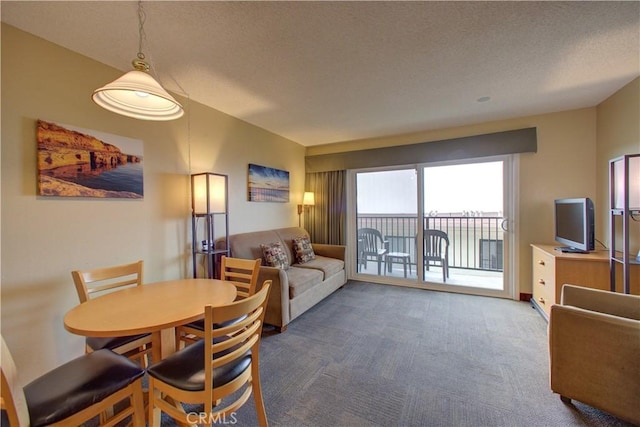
pixel 510 245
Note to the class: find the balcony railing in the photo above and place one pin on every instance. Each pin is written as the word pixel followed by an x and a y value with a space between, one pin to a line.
pixel 475 242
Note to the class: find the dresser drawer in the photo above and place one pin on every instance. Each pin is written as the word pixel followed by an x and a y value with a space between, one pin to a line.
pixel 544 286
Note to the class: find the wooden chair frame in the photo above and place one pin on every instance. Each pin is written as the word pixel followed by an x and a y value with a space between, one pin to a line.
pixel 243 273
pixel 14 403
pixel 236 339
pixel 90 283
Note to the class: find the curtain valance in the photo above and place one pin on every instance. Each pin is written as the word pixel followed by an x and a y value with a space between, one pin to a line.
pixel 469 147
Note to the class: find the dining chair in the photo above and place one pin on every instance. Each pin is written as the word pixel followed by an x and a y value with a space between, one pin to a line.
pixel 74 393
pixel 244 275
pixel 436 250
pixel 92 283
pixel 220 371
pixel 371 247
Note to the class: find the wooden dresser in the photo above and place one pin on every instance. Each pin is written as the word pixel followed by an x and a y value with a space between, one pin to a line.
pixel 552 269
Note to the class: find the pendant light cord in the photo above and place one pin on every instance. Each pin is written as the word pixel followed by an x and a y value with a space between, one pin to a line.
pixel 141 34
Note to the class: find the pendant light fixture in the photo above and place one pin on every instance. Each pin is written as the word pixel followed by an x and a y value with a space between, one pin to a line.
pixel 137 94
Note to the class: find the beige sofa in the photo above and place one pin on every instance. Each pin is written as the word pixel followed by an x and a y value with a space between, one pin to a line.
pixel 594 346
pixel 299 287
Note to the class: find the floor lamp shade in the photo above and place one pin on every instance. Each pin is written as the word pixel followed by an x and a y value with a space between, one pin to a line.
pixel 208 193
pixel 137 94
pixel 626 180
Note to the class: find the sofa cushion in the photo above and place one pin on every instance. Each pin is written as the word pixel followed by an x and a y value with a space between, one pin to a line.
pixel 274 256
pixel 329 266
pixel 247 245
pixel 286 236
pixel 302 279
pixel 302 250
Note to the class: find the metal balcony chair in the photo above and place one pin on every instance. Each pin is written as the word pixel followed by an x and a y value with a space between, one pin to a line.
pixel 436 251
pixel 371 247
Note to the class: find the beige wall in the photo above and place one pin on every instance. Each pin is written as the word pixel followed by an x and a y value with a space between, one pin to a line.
pixel 562 167
pixel 43 239
pixel 618 134
pixel 574 148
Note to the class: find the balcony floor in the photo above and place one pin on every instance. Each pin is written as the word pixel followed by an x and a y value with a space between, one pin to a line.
pixel 457 277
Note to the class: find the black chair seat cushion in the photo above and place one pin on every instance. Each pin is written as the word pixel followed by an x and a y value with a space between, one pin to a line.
pixel 111 342
pixel 199 324
pixel 185 368
pixel 78 384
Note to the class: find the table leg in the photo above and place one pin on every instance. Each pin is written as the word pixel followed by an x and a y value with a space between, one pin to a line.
pixel 168 338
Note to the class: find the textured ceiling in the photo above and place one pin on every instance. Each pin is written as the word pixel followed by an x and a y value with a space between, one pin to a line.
pixel 323 72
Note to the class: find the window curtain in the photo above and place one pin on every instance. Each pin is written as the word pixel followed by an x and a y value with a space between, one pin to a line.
pixel 326 221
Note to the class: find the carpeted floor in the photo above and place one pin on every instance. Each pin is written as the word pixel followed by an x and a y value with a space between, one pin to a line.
pixel 376 355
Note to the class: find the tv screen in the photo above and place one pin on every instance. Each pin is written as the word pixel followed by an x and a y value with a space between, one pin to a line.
pixel 574 224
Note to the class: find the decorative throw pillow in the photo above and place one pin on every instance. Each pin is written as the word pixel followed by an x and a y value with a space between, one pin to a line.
pixel 274 255
pixel 303 250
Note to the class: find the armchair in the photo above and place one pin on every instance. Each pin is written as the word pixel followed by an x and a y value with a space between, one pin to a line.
pixel 594 346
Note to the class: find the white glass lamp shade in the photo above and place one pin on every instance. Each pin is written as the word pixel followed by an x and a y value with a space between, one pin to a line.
pixel 619 184
pixel 137 94
pixel 208 193
pixel 308 199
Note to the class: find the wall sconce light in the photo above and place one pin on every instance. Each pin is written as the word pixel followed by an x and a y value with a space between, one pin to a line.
pixel 626 182
pixel 137 94
pixel 307 200
pixel 208 193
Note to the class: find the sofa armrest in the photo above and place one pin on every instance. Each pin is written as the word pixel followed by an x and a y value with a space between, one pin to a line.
pixel 278 306
pixel 613 303
pixel 330 251
pixel 594 359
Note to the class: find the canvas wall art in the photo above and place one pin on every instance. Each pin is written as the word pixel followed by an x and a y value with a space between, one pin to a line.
pixel 77 162
pixel 268 184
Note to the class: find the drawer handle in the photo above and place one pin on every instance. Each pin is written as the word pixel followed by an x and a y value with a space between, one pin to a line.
pixel 541 281
pixel 540 262
pixel 541 300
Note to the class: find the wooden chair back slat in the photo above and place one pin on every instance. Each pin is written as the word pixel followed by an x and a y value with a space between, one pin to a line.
pixel 242 272
pixel 91 282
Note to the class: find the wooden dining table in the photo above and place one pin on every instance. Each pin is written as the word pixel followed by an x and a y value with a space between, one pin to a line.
pixel 155 308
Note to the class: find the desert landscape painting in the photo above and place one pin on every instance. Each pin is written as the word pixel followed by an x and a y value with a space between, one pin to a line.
pixel 76 162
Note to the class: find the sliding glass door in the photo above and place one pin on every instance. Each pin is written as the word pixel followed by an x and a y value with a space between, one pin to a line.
pixel 386 218
pixel 439 226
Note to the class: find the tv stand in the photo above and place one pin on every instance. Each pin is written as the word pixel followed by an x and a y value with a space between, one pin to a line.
pixel 570 250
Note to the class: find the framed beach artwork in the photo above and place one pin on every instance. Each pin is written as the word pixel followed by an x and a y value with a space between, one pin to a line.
pixel 77 162
pixel 268 184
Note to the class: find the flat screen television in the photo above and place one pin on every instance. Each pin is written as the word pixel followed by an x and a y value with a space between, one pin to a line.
pixel 574 224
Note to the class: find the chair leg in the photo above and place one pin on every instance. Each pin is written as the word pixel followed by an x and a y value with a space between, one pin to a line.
pixel 138 405
pixel 257 396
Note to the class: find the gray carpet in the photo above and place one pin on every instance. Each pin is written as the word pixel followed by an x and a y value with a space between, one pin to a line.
pixel 376 355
